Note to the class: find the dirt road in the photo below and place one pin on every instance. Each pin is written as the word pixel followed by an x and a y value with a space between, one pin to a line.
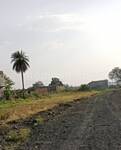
pixel 93 124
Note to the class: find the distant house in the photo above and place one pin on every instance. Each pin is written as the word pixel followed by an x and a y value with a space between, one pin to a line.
pixel 55 86
pixel 101 84
pixel 41 90
pixel 38 88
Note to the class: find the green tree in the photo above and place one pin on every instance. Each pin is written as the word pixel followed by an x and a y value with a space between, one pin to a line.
pixel 56 82
pixel 84 87
pixel 115 75
pixel 38 84
pixel 8 87
pixel 20 65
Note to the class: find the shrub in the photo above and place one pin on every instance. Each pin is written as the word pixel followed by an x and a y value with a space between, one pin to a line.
pixel 84 87
pixel 7 93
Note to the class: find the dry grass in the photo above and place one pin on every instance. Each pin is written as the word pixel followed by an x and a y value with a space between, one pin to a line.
pixel 13 110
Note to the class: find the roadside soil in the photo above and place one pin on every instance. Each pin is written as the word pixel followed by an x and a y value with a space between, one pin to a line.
pixel 87 124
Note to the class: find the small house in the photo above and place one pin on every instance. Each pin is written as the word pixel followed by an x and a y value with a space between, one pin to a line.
pixel 101 84
pixel 41 90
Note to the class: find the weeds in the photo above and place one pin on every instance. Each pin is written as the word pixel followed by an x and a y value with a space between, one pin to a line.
pixel 38 120
pixel 20 109
pixel 18 135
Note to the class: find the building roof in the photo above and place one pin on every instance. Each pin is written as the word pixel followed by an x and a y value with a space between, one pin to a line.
pixel 98 81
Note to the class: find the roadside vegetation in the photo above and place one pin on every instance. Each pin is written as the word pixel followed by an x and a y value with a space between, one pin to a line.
pixel 18 135
pixel 84 87
pixel 19 109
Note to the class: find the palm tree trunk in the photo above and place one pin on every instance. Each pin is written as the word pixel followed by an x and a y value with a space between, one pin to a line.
pixel 22 76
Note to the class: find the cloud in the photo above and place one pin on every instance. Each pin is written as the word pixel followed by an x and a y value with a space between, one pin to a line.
pixel 48 22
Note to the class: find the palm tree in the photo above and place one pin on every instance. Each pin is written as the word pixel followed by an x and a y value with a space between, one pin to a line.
pixel 20 64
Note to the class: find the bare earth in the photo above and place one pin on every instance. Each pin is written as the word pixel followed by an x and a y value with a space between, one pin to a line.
pixel 92 124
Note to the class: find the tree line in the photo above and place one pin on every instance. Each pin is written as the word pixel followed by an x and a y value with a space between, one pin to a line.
pixel 20 62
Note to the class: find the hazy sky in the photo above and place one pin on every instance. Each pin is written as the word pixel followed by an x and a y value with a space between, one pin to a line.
pixel 75 40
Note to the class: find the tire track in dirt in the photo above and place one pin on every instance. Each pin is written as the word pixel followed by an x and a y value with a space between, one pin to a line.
pixel 105 133
pixel 73 141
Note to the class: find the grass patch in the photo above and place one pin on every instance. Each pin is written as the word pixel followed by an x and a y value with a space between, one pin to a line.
pixel 20 109
pixel 18 135
pixel 38 120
